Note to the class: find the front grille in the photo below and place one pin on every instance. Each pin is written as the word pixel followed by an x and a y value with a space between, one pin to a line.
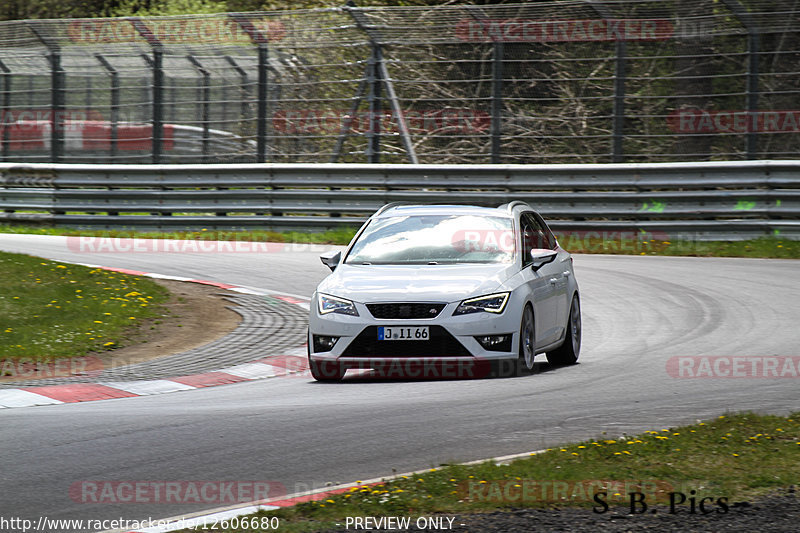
pixel 405 310
pixel 440 344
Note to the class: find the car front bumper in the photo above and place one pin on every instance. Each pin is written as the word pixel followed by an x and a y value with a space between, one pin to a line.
pixel 453 344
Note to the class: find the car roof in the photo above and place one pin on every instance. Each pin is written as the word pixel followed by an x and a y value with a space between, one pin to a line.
pixel 442 209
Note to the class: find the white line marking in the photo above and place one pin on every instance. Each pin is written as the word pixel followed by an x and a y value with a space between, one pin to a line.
pixel 146 388
pixel 23 398
pixel 253 370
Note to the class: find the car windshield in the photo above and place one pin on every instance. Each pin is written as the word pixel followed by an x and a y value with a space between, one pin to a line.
pixel 435 239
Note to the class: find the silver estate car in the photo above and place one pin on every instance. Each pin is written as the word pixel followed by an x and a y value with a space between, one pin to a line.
pixel 434 290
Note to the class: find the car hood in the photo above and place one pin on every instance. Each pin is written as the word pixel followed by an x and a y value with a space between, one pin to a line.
pixel 442 283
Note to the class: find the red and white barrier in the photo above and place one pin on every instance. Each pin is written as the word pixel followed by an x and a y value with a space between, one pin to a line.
pixel 90 135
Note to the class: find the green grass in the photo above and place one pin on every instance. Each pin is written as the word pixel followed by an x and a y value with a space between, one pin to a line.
pixel 738 457
pixel 51 310
pixel 337 236
pixel 768 247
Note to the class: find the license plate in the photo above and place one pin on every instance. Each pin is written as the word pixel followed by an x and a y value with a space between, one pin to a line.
pixel 403 333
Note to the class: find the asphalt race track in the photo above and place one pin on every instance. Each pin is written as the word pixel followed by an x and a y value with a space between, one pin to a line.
pixel 638 313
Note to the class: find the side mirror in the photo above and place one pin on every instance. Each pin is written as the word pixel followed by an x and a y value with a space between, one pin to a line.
pixel 331 259
pixel 540 258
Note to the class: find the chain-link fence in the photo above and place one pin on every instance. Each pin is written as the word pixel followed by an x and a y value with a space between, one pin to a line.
pixel 546 82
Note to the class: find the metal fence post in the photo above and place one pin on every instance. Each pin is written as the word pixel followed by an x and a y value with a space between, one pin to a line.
pixel 496 125
pixel 262 116
pixel 5 108
pixel 617 149
pixel 206 96
pixel 244 90
pixel 497 101
pixel 114 103
pixel 751 89
pixel 263 107
pixel 158 86
pixel 57 107
pixel 344 131
pixel 158 104
pixel 620 68
pixel 380 75
pixel 57 92
pixel 373 134
pixel 173 99
pixel 89 92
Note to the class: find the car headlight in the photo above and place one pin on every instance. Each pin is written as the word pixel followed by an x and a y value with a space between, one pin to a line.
pixel 491 303
pixel 332 304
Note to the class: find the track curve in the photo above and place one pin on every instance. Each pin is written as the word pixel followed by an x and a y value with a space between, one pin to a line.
pixel 638 313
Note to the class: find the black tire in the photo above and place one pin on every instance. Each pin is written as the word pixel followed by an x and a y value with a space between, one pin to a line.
pixel 568 352
pixel 527 342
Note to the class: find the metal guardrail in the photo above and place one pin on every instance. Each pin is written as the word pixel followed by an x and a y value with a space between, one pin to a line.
pixel 724 200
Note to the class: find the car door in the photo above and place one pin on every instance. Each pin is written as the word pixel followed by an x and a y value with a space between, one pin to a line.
pixel 542 284
pixel 561 271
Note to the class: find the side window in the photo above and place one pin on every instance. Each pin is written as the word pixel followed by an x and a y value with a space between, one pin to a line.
pixel 535 235
pixel 527 233
pixel 549 240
